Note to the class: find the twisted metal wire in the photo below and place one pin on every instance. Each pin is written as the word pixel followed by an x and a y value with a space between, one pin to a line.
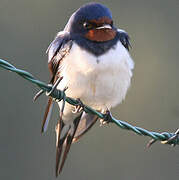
pixel 165 137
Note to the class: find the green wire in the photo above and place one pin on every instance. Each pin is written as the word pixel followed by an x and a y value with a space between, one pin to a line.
pixel 165 137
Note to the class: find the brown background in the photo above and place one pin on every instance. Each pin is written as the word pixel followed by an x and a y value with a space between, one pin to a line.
pixel 26 29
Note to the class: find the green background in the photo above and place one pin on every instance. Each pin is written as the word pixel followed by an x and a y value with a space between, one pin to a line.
pixel 26 29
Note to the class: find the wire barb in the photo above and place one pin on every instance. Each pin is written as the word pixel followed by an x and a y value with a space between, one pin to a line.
pixel 165 138
pixel 173 140
pixel 79 107
pixel 38 94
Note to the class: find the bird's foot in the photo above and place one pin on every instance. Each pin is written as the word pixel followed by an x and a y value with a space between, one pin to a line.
pixel 78 107
pixel 107 118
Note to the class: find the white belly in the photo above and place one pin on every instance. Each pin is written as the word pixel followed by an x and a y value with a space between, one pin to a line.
pixel 100 82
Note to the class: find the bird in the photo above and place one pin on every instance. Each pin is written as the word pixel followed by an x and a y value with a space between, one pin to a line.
pixel 91 58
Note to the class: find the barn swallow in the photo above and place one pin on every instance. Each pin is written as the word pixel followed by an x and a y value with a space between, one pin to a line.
pixel 92 56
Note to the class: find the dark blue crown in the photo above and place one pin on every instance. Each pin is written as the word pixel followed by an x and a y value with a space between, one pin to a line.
pixel 88 11
pixel 93 11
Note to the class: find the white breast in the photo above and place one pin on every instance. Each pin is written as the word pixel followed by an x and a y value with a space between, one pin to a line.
pixel 100 82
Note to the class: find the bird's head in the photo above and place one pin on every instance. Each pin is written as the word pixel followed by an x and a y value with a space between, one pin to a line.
pixel 92 21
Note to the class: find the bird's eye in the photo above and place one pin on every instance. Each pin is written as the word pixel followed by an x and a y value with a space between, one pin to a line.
pixel 87 25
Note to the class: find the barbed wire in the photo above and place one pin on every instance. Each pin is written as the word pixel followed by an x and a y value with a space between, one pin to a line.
pixel 164 137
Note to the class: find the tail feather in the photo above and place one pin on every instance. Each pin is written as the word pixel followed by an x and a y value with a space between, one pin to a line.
pixel 86 122
pixel 59 143
pixel 67 145
pixel 64 143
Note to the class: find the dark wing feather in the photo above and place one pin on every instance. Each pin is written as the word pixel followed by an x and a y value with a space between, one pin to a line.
pixel 47 115
pixel 124 38
pixel 57 50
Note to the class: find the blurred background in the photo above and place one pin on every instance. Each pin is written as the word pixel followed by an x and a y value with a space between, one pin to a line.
pixel 27 28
